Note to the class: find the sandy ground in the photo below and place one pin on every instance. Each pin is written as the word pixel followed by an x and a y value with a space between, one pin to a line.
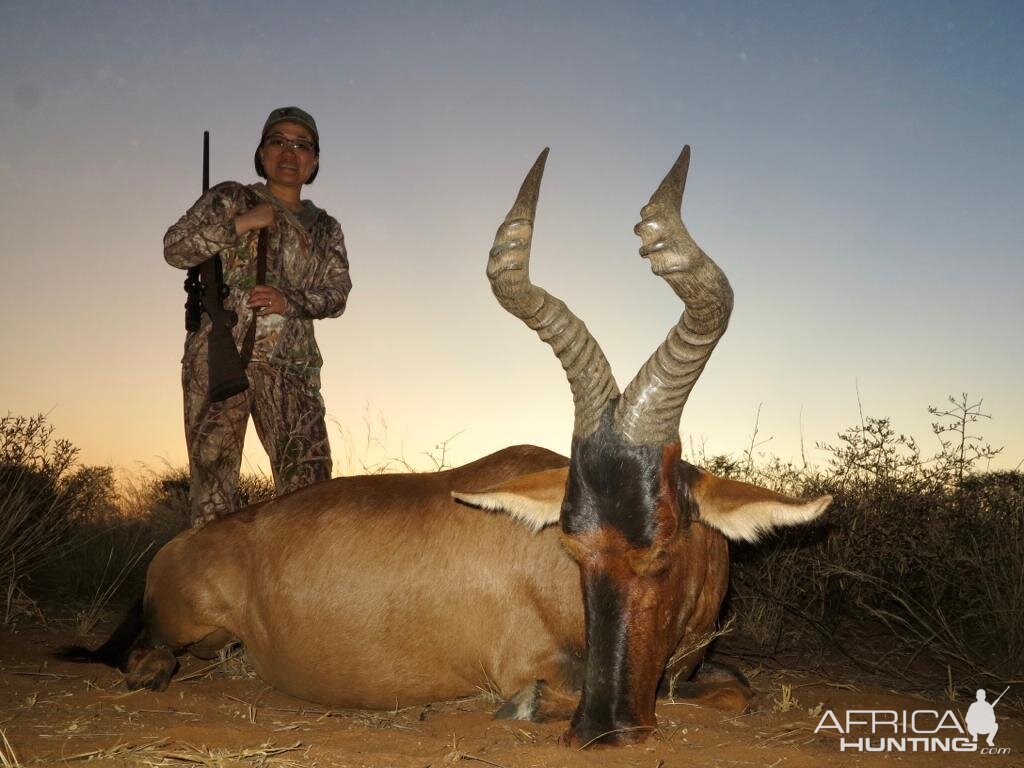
pixel 56 713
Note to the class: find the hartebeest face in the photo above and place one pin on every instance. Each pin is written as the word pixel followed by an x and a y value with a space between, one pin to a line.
pixel 623 520
pixel 628 501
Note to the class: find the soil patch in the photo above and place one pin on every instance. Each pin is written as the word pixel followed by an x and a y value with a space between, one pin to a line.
pixel 56 713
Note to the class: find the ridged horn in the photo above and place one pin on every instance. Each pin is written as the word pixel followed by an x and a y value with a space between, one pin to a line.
pixel 650 409
pixel 508 269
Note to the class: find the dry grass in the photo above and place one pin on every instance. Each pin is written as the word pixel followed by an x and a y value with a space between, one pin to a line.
pixel 8 757
pixel 108 585
pixel 371 452
pixel 231 662
pixel 490 692
pixel 455 755
pixel 163 753
pixel 696 645
pixel 785 700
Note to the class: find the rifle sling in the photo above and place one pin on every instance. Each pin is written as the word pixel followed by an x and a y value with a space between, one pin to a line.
pixel 261 279
pixel 210 276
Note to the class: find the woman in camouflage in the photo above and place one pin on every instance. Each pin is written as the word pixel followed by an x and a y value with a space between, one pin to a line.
pixel 306 279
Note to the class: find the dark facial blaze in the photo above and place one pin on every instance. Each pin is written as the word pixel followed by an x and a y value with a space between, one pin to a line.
pixel 622 522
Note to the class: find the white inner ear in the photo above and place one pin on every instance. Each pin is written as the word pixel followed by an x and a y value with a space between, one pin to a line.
pixel 752 520
pixel 534 514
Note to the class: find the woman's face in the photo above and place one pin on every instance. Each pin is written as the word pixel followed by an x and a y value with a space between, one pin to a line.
pixel 288 154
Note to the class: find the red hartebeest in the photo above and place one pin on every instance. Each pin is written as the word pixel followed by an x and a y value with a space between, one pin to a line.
pixel 389 590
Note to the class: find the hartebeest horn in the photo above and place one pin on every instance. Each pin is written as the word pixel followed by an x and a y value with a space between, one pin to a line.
pixel 652 404
pixel 508 269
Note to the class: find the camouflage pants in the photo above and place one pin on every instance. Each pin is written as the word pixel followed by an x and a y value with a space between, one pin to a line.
pixel 288 412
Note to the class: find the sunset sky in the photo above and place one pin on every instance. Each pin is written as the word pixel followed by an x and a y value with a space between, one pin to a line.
pixel 857 172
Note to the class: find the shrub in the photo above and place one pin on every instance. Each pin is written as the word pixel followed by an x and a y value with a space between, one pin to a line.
pixel 70 533
pixel 918 562
pixel 42 492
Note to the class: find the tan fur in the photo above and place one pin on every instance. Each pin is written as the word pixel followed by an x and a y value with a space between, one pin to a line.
pixel 534 500
pixel 744 512
pixel 378 591
pixel 383 591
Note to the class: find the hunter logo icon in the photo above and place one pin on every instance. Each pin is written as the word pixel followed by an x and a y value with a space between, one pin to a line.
pixel 981 717
pixel 919 730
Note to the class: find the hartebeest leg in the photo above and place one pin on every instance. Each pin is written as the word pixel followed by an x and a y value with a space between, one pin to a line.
pixel 151 663
pixel 130 649
pixel 539 703
pixel 715 685
pixel 188 599
pixel 211 646
pixel 718 686
pixel 148 666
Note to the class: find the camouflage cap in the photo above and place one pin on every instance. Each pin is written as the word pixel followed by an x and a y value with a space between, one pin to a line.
pixel 292 115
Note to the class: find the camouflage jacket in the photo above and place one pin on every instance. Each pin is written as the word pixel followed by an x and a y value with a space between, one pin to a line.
pixel 309 267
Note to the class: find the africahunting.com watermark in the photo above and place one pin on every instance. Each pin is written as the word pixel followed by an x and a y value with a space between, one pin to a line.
pixel 919 730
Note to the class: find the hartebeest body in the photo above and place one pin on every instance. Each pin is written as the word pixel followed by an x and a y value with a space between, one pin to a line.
pixel 383 591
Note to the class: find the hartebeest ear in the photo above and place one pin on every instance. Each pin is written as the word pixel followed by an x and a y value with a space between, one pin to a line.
pixel 745 512
pixel 740 511
pixel 534 500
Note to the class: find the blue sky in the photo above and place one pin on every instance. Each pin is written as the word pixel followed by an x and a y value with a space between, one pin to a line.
pixel 856 172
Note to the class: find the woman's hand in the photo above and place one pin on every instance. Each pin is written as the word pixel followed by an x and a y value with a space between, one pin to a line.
pixel 255 218
pixel 266 300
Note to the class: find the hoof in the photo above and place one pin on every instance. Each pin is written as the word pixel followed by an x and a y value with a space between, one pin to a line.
pixel 730 697
pixel 521 706
pixel 151 668
pixel 539 703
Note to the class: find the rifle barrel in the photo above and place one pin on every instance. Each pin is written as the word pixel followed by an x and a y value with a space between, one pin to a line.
pixel 206 162
pixel 226 370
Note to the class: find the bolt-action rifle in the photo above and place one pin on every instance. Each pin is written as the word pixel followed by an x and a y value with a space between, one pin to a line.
pixel 206 293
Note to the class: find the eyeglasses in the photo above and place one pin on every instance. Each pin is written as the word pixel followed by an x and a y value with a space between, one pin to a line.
pixel 278 142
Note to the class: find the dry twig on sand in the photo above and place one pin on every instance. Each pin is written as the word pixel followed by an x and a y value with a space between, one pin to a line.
pixel 8 757
pixel 164 754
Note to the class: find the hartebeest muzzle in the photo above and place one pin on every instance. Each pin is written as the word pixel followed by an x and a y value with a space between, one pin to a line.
pixel 627 504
